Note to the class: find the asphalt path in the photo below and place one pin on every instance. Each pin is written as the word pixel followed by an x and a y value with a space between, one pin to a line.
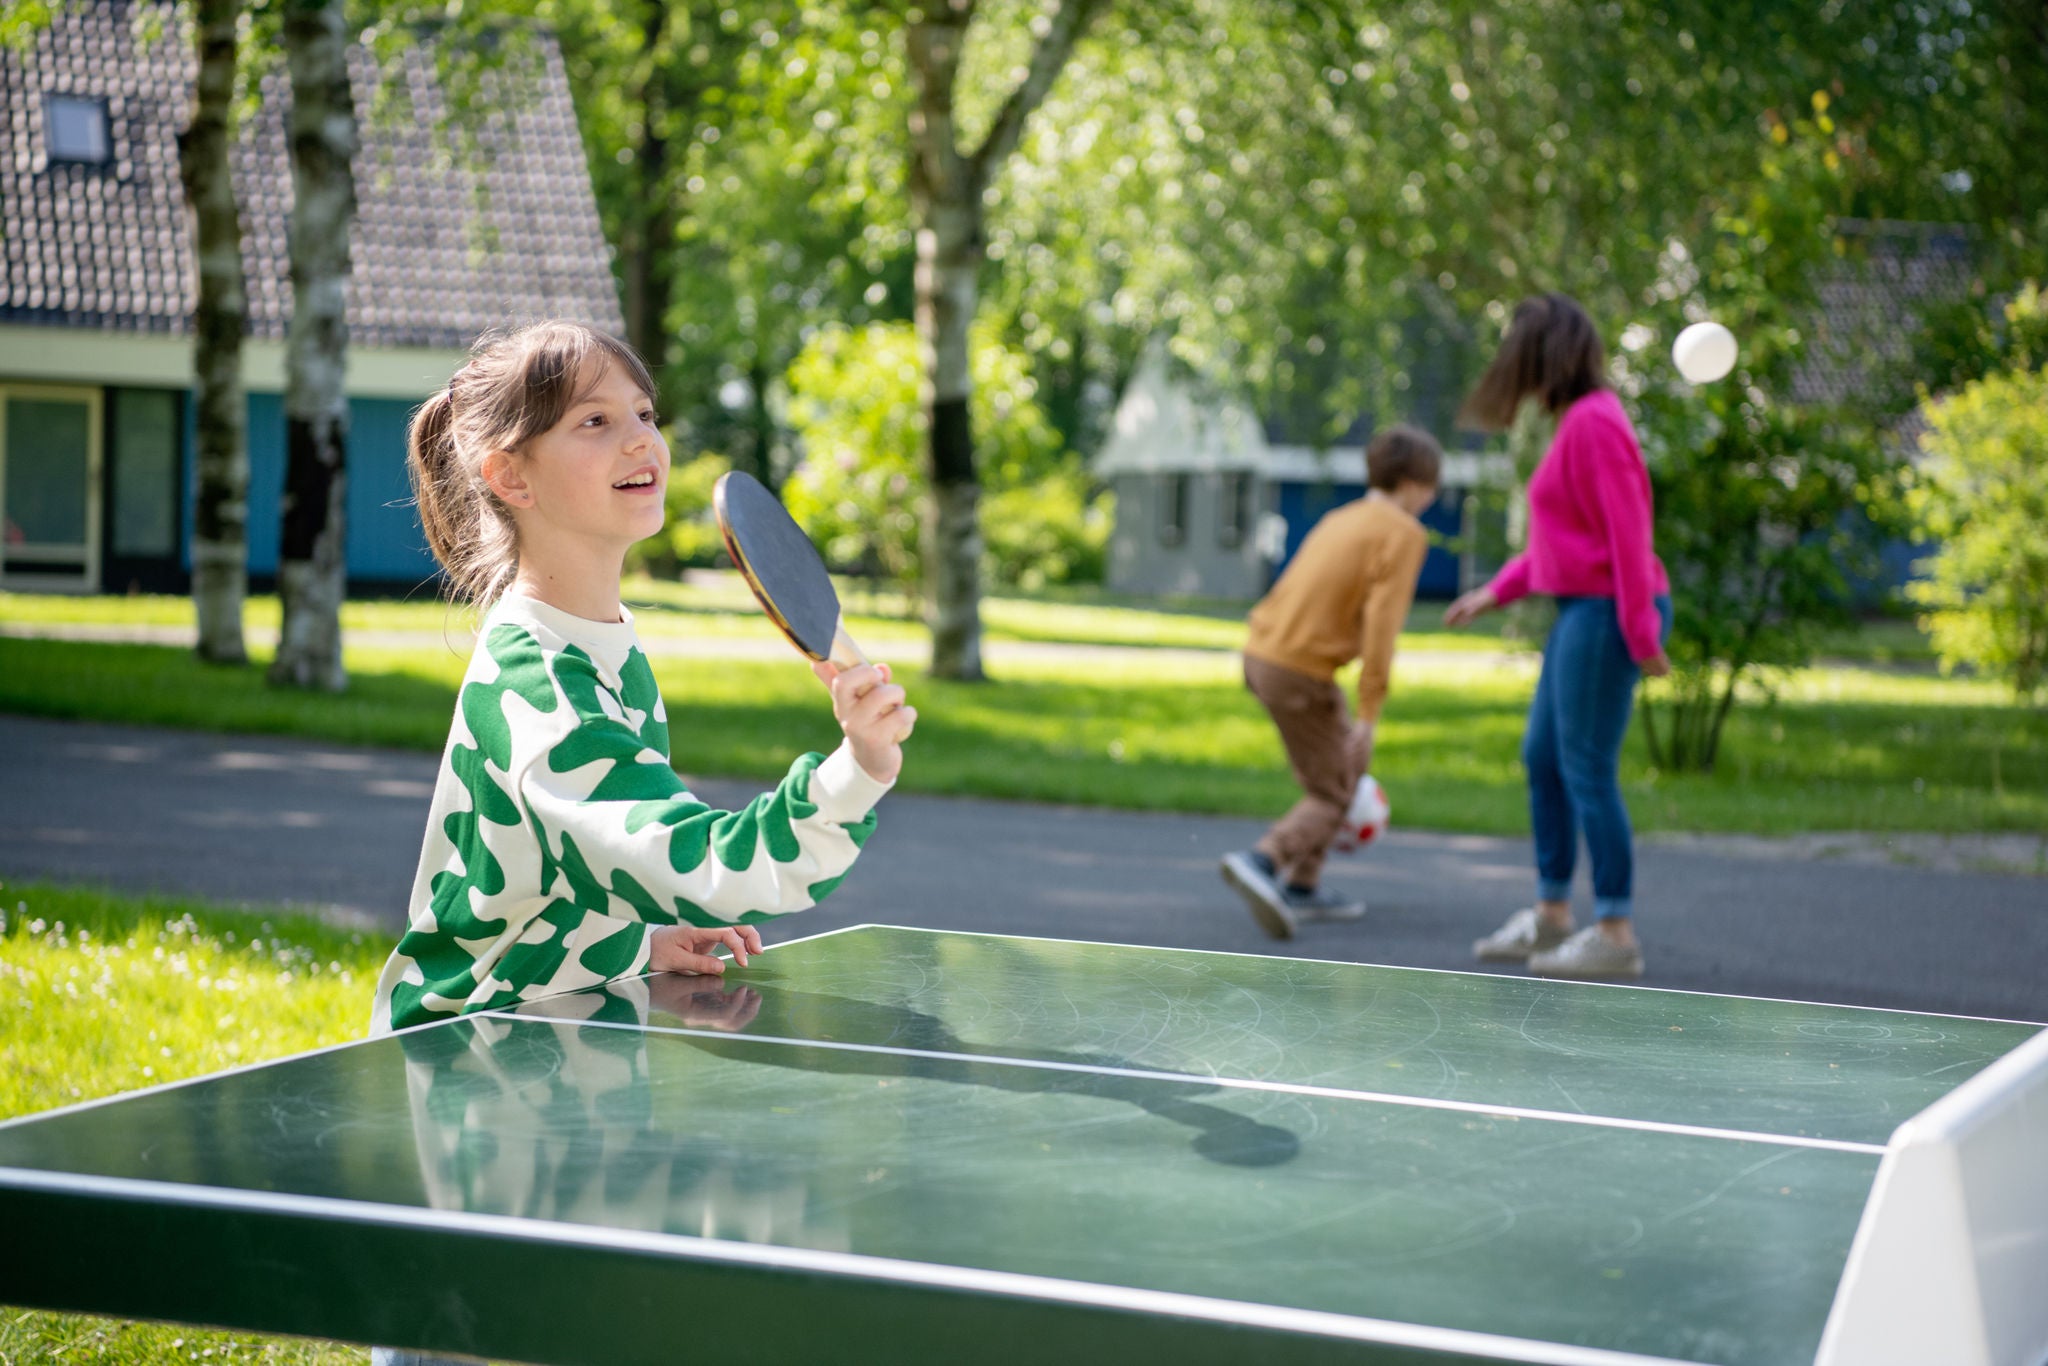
pixel 337 829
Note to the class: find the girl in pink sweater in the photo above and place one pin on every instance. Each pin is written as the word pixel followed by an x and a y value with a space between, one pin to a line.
pixel 1590 547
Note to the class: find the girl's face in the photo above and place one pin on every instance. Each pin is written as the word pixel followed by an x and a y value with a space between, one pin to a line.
pixel 597 476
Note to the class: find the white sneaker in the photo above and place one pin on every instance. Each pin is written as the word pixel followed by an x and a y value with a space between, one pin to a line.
pixel 1525 933
pixel 1589 956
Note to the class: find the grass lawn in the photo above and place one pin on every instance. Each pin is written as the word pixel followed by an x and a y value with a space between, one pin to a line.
pixel 715 604
pixel 1840 749
pixel 101 994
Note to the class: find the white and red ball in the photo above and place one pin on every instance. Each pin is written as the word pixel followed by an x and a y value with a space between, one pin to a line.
pixel 1367 816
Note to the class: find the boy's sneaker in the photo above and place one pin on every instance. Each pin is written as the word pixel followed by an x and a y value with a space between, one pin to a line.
pixel 1317 904
pixel 1253 877
pixel 1525 933
pixel 1589 956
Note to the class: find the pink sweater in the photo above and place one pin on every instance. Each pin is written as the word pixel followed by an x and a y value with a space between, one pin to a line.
pixel 1589 523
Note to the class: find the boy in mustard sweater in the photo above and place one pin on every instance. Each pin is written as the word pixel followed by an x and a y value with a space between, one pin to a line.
pixel 1344 596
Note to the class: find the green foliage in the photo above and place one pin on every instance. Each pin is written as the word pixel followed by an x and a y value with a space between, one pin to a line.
pixel 1353 243
pixel 103 993
pixel 747 173
pixel 688 538
pixel 1050 531
pixel 862 486
pixel 22 23
pixel 1964 340
pixel 1766 516
pixel 1982 495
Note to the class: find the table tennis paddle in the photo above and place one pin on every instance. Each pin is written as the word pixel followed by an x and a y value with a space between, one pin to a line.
pixel 783 568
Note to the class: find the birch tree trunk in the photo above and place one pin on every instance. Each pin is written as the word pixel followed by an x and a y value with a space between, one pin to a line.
pixel 312 571
pixel 946 186
pixel 650 233
pixel 220 513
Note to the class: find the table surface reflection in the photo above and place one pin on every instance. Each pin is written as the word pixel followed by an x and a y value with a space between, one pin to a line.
pixel 1048 1140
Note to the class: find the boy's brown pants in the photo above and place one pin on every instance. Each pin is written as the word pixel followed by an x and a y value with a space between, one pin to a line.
pixel 1314 727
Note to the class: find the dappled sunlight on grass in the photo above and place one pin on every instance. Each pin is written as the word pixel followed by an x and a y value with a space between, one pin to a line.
pixel 104 994
pixel 27 1335
pixel 199 979
pixel 717 605
pixel 1834 748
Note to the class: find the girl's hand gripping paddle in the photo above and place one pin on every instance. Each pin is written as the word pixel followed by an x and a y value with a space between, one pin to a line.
pixel 783 568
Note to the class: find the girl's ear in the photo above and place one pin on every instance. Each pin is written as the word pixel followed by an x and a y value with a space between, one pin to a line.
pixel 503 477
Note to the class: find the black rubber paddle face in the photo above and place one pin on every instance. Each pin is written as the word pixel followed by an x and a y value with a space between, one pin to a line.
pixel 778 561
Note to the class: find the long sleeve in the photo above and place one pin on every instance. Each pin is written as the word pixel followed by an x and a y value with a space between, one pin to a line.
pixel 560 836
pixel 1621 494
pixel 1512 580
pixel 1590 524
pixel 623 840
pixel 1386 611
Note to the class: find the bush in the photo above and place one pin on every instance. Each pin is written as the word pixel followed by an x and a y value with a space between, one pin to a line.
pixel 861 488
pixel 1982 495
pixel 1046 533
pixel 1765 516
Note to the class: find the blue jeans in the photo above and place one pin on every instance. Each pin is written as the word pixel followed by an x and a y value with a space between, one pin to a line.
pixel 1572 753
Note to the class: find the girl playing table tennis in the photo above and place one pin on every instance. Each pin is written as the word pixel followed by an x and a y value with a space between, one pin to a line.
pixel 562 850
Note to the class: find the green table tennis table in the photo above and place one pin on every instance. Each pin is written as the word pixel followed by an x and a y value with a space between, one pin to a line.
pixel 883 1144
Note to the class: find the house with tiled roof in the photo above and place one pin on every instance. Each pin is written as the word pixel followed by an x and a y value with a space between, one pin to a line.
pixel 97 284
pixel 1213 498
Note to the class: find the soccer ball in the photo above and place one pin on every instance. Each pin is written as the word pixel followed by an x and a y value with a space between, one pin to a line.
pixel 1366 818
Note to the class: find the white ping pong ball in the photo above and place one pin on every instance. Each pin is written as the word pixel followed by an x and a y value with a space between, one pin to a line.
pixel 1704 352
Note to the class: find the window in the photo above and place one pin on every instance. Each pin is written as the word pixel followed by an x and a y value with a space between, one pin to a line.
pixel 144 451
pixel 1234 510
pixel 75 129
pixel 50 486
pixel 1173 510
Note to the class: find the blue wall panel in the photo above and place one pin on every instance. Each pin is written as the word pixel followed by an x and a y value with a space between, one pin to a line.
pixel 385 543
pixel 1440 570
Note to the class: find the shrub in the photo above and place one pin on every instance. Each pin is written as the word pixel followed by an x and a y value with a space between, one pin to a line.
pixel 1982 495
pixel 861 488
pixel 1766 515
pixel 1047 532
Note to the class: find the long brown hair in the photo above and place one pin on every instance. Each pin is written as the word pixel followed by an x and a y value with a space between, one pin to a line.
pixel 1551 352
pixel 516 385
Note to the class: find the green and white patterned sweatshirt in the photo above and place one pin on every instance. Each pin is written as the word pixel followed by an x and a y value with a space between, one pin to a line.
pixel 560 837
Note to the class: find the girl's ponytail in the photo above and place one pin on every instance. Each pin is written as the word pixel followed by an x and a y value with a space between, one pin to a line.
pixel 430 460
pixel 468 529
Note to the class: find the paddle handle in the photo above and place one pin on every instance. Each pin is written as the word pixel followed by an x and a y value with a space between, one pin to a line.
pixel 845 653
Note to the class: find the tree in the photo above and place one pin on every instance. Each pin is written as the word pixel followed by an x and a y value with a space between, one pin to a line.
pixel 1402 176
pixel 863 477
pixel 312 571
pixel 947 185
pixel 657 77
pixel 1770 513
pixel 1764 520
pixel 220 513
pixel 1982 496
pixel 718 147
